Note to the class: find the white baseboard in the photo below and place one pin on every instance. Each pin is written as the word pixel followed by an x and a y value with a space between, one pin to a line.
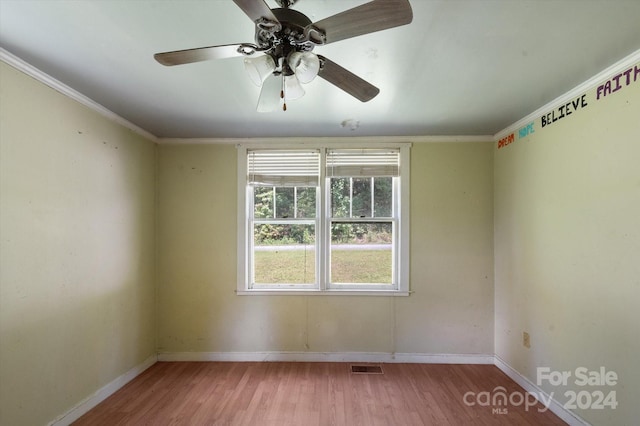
pixel 555 407
pixel 103 393
pixel 328 357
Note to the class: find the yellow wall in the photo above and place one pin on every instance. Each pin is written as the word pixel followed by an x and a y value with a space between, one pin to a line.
pixel 451 310
pixel 76 251
pixel 567 248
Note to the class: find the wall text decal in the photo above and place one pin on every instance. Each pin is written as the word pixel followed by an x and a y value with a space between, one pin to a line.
pixel 526 131
pixel 564 110
pixel 618 82
pixel 522 133
pixel 506 141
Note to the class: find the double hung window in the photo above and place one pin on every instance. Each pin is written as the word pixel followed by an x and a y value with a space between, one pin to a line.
pixel 323 219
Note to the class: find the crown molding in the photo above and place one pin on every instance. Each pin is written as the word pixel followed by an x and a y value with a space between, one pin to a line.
pixel 580 89
pixel 316 140
pixel 30 70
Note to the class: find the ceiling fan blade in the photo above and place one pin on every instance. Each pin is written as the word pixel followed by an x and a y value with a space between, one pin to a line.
pixel 370 17
pixel 270 94
pixel 260 13
pixel 187 56
pixel 346 80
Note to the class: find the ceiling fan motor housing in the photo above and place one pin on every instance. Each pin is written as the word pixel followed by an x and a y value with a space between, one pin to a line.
pixel 290 38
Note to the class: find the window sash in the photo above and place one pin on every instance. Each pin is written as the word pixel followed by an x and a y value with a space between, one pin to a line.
pixel 314 247
pixel 330 246
pixel 394 219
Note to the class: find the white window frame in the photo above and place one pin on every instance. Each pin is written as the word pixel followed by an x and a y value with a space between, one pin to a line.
pixel 323 287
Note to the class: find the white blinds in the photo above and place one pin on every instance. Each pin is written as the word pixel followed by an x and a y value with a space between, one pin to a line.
pixel 363 162
pixel 283 167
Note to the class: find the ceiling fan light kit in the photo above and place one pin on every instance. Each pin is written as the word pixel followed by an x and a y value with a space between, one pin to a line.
pixel 282 58
pixel 292 88
pixel 305 65
pixel 259 68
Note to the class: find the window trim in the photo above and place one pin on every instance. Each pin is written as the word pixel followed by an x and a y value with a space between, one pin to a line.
pixel 403 223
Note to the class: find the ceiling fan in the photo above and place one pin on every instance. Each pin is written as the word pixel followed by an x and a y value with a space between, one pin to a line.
pixel 281 57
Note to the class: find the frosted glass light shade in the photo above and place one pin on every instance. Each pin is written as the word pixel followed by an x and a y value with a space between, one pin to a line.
pixel 305 65
pixel 259 68
pixel 292 88
pixel 270 94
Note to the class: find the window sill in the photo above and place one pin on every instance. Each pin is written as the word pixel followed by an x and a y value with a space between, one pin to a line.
pixel 288 292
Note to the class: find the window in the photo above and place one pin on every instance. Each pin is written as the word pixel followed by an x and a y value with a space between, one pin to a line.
pixel 323 219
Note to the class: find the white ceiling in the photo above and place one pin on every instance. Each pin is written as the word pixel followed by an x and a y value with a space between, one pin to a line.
pixel 460 68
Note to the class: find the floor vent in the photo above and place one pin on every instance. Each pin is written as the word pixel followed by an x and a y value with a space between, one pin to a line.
pixel 366 369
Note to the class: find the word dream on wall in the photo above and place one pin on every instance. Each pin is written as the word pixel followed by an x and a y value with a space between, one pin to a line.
pixel 614 84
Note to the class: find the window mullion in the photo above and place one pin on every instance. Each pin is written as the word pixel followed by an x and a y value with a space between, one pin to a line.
pixel 373 213
pixel 350 197
pixel 274 202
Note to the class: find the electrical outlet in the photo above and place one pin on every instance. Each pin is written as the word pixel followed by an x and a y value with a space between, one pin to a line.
pixel 526 340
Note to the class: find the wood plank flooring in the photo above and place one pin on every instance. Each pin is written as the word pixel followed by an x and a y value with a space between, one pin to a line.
pixel 278 393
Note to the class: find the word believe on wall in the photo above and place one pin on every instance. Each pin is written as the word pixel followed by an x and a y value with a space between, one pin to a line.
pixel 564 110
pixel 613 85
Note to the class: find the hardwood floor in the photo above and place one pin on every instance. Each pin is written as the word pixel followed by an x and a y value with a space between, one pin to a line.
pixel 251 393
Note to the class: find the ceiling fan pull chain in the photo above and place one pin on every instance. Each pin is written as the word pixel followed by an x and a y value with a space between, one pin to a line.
pixel 284 100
